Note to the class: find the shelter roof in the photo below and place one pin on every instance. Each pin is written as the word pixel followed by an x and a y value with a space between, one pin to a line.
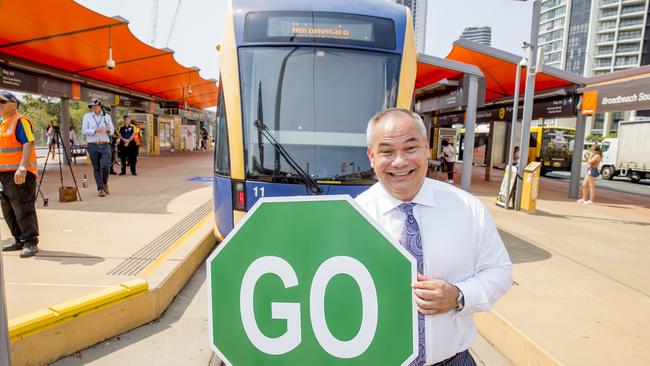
pixel 431 69
pixel 618 77
pixel 499 68
pixel 67 36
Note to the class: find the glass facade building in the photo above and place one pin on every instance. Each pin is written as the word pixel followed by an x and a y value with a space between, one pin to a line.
pixel 481 35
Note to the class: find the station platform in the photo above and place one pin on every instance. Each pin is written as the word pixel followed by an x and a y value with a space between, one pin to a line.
pixel 119 259
pixel 581 294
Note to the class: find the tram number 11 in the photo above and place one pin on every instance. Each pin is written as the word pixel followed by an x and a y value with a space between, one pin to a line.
pixel 259 191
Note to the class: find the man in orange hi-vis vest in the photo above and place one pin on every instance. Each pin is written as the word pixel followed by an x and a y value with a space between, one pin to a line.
pixel 18 177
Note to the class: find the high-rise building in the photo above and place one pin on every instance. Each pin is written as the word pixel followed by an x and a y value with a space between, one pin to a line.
pixel 593 37
pixel 419 11
pixel 481 35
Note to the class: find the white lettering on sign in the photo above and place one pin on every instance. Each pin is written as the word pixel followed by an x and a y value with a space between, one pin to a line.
pixel 622 99
pixel 291 311
pixel 279 310
pixel 362 340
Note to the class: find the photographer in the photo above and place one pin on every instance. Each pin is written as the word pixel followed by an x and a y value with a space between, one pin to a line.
pixel 97 126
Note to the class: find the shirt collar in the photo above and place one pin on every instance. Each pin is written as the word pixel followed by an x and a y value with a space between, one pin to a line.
pixel 424 197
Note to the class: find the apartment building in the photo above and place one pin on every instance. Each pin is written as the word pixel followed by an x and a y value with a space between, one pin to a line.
pixel 593 37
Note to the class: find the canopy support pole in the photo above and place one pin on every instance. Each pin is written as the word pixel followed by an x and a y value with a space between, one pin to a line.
pixel 576 159
pixel 470 127
pixel 529 96
pixel 65 126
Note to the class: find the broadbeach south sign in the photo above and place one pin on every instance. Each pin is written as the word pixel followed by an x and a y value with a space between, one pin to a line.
pixel 311 280
pixel 624 96
pixel 623 99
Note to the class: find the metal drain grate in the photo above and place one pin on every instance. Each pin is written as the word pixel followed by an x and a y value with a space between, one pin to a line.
pixel 134 264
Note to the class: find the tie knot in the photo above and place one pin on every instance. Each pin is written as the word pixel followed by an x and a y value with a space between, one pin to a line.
pixel 407 208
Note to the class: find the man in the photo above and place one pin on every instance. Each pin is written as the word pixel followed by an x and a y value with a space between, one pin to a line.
pixel 18 177
pixel 463 266
pixel 97 126
pixel 128 145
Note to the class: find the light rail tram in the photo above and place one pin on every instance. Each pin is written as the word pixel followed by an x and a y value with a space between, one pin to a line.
pixel 299 81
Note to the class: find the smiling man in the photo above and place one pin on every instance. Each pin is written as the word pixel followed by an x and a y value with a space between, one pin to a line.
pixel 463 266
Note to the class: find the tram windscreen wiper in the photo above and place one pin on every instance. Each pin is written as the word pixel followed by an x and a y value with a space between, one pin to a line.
pixel 307 180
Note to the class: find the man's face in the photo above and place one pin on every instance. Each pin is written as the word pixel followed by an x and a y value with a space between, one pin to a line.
pixel 97 108
pixel 399 155
pixel 127 121
pixel 7 108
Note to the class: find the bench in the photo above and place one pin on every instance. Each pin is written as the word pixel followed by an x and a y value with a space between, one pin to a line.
pixel 77 150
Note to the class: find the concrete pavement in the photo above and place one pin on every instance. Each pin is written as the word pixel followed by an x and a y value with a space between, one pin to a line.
pixel 582 284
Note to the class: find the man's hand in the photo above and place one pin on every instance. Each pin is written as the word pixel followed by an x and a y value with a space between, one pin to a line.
pixel 100 130
pixel 434 296
pixel 19 177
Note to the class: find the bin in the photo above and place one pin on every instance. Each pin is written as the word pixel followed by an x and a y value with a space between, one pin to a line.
pixel 530 187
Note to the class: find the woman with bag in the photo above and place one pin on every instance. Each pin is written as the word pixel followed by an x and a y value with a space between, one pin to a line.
pixel 589 184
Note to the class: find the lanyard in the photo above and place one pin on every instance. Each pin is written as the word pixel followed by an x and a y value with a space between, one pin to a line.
pixel 101 120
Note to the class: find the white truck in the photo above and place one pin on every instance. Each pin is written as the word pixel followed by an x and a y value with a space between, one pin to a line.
pixel 629 154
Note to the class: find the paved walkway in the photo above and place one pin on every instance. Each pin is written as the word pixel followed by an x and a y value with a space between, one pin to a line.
pixel 582 278
pixel 82 242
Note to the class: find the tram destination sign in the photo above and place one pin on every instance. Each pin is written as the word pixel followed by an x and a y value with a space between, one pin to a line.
pixel 311 280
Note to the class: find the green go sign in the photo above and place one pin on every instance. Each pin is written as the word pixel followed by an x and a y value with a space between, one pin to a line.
pixel 311 280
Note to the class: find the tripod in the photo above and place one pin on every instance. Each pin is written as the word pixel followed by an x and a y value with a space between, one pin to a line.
pixel 59 142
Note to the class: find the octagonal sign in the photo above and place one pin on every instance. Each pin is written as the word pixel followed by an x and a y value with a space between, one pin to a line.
pixel 311 280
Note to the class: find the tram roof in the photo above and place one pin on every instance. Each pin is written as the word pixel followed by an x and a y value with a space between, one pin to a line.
pixel 76 41
pixel 498 67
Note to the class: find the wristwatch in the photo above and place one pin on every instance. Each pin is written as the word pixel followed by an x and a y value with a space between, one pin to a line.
pixel 460 300
pixel 21 168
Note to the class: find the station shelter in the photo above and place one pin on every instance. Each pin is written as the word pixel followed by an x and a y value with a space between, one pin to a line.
pixel 621 91
pixel 442 97
pixel 80 54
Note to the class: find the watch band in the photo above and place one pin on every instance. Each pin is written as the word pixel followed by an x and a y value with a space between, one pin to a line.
pixel 460 300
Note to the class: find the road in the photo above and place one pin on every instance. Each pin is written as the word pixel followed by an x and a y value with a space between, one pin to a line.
pixel 620 184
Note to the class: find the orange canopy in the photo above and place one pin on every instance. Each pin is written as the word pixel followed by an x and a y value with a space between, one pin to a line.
pixel 67 36
pixel 499 68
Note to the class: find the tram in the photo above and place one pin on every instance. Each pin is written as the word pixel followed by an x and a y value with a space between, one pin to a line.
pixel 298 83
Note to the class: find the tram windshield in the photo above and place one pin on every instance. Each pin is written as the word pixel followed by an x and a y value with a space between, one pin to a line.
pixel 316 102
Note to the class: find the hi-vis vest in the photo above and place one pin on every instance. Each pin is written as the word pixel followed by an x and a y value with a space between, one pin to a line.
pixel 11 151
pixel 137 138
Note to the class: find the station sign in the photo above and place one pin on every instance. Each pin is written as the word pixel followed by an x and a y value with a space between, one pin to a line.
pixel 54 87
pixel 130 102
pixel 105 97
pixel 457 98
pixel 172 105
pixel 311 280
pixel 18 80
pixel 542 109
pixel 624 96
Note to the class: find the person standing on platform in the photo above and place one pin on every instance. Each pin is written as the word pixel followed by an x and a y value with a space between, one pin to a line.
pixel 128 145
pixel 449 153
pixel 18 177
pixel 97 126
pixel 589 184
pixel 463 266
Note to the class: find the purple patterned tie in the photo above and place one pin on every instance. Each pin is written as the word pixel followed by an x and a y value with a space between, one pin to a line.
pixel 412 241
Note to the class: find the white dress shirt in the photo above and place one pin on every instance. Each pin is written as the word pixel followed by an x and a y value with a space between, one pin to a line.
pixel 93 121
pixel 461 246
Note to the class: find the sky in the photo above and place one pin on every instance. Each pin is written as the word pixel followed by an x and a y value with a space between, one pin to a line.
pixel 199 25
